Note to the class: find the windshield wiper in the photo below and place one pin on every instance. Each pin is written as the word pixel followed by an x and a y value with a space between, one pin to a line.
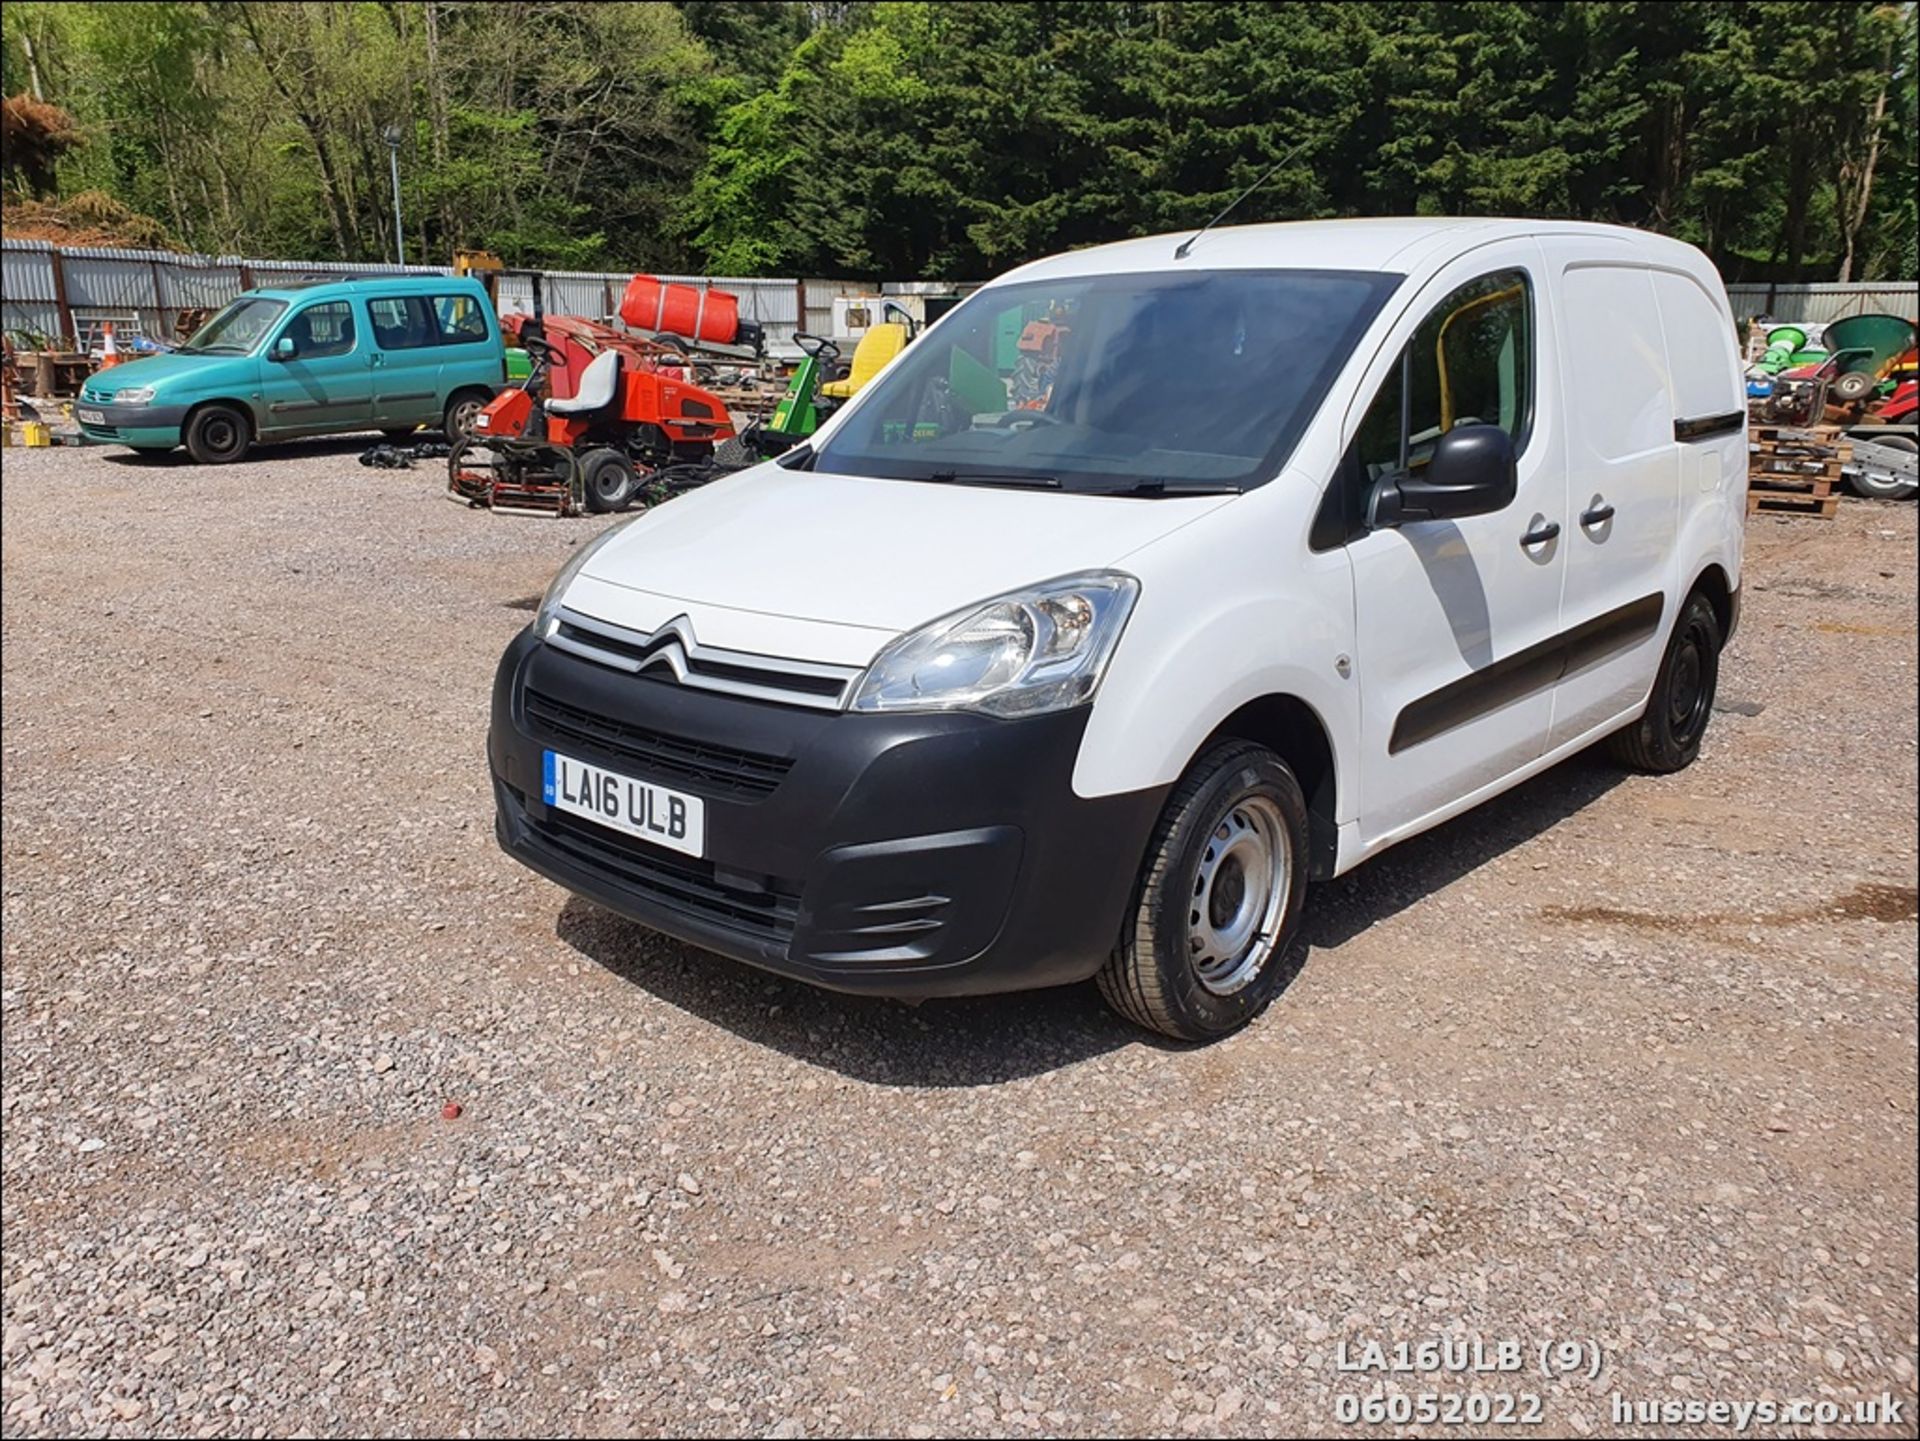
pixel 1160 485
pixel 992 477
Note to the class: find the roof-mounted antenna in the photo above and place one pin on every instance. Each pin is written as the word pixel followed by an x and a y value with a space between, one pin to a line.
pixel 1180 251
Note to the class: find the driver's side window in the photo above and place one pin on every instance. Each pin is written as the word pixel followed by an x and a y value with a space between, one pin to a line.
pixel 1470 361
pixel 322 330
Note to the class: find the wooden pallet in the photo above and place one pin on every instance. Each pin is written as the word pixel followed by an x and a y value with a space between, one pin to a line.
pixel 1791 476
pixel 1786 502
pixel 1824 446
pixel 1792 484
pixel 1793 470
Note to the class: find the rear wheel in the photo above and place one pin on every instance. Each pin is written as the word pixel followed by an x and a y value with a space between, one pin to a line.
pixel 458 421
pixel 1218 901
pixel 607 480
pixel 218 434
pixel 1667 736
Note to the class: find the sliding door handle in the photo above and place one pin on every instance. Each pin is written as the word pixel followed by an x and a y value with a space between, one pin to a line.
pixel 1598 515
pixel 1540 534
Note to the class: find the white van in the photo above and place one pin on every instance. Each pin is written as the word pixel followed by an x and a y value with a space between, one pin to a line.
pixel 1141 591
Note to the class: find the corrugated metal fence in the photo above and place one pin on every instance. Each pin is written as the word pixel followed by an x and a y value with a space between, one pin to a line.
pixel 49 291
pixel 1823 303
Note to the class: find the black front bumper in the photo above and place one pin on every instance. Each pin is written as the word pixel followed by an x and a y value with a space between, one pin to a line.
pixel 911 855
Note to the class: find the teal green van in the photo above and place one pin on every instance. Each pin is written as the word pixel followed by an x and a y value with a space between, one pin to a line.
pixel 386 353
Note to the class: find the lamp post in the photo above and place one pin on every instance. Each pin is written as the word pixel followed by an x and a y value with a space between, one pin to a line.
pixel 392 136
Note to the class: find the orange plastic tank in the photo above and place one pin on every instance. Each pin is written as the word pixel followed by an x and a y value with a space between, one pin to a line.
pixel 694 311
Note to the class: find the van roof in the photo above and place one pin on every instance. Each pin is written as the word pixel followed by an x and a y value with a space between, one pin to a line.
pixel 357 284
pixel 1404 244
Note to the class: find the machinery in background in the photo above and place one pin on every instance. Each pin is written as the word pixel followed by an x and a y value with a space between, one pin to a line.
pixel 605 418
pixel 1865 376
pixel 811 397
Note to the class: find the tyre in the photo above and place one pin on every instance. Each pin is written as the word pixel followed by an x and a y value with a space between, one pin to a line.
pixel 608 481
pixel 218 434
pixel 457 424
pixel 1881 485
pixel 1855 385
pixel 1218 901
pixel 1667 736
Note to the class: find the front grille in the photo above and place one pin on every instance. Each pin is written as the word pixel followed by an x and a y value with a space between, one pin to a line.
pixel 702 766
pixel 671 652
pixel 679 884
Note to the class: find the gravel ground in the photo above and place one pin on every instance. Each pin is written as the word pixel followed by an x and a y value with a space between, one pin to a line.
pixel 1613 1060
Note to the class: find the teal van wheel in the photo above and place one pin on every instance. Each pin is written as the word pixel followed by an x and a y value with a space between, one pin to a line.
pixel 218 434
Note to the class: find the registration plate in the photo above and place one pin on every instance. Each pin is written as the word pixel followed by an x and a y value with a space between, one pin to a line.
pixel 92 417
pixel 621 803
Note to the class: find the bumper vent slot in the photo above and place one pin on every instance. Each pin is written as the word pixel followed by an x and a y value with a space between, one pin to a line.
pixel 710 769
pixel 681 885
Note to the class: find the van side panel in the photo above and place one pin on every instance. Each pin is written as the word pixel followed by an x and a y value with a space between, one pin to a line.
pixel 1709 405
pixel 1623 474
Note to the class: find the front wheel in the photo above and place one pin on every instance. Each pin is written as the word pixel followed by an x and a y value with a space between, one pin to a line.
pixel 218 434
pixel 1667 736
pixel 1218 902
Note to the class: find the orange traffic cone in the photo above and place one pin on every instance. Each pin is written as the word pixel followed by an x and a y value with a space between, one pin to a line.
pixel 109 352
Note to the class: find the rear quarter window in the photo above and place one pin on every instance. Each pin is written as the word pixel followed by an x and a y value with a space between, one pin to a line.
pixel 460 319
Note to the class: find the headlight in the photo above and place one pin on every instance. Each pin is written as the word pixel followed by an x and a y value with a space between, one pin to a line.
pixel 546 620
pixel 1039 649
pixel 133 395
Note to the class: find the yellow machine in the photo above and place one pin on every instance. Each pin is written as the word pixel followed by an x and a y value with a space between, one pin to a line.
pixel 875 351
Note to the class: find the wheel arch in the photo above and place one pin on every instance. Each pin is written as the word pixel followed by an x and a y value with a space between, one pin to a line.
pixel 232 402
pixel 1293 730
pixel 1713 583
pixel 256 429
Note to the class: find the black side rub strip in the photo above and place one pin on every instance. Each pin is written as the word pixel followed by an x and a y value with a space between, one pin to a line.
pixel 1526 671
pixel 1703 426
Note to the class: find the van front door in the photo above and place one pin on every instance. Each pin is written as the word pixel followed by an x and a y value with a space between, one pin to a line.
pixel 1623 471
pixel 315 372
pixel 1456 619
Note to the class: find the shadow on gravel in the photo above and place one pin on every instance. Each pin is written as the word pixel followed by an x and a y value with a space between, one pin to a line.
pixel 1385 886
pixel 346 446
pixel 981 1041
pixel 971 1041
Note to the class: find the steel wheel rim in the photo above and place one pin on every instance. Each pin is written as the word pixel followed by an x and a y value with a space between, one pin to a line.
pixel 1240 892
pixel 1688 687
pixel 610 482
pixel 221 434
pixel 461 423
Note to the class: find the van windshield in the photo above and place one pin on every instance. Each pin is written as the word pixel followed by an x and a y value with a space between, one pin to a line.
pixel 237 329
pixel 1145 384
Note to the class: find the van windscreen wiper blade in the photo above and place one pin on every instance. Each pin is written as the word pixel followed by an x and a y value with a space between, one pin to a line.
pixel 1160 485
pixel 993 477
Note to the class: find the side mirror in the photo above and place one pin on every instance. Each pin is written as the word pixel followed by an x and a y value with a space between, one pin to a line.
pixel 284 348
pixel 1473 472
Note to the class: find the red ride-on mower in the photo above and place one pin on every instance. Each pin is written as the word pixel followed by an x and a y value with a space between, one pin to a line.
pixel 599 415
